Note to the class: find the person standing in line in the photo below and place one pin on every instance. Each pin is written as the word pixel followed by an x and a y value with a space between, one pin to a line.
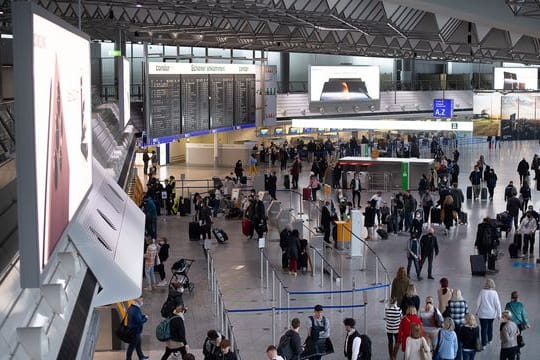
pixel 476 178
pixel 518 312
pixel 392 318
pixel 400 284
pixel 456 309
pixel 405 329
pixel 326 221
pixel 522 170
pixel 488 308
pixel 447 213
pixel 150 256
pixel 135 322
pixel 293 251
pixel 509 337
pixel 272 185
pixel 369 219
pixel 271 353
pixel 205 220
pixel 414 252
pixel 469 337
pixel 444 293
pixel 352 340
pixel 491 182
pixel 211 350
pixel 431 317
pixel 356 188
pixel 319 331
pixel 315 186
pixel 177 342
pixel 416 344
pixel 446 345
pixel 146 159
pixel 410 298
pixel 295 171
pixel 430 247
pixel 226 353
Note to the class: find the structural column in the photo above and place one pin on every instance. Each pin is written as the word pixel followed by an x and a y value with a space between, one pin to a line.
pixel 285 72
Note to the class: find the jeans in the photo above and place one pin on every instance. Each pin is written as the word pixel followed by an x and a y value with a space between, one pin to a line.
pixel 509 353
pixel 430 264
pixel 392 339
pixel 161 270
pixel 136 345
pixel 295 181
pixel 149 274
pixel 408 220
pixel 469 354
pixel 528 244
pixel 486 330
pixel 354 195
pixel 411 259
pixel 476 190
pixel 378 213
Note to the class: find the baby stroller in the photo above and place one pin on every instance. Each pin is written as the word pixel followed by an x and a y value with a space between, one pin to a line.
pixel 180 271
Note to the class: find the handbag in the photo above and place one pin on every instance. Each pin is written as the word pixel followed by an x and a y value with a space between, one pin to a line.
pixel 520 341
pixel 124 333
pixel 479 346
pixel 425 351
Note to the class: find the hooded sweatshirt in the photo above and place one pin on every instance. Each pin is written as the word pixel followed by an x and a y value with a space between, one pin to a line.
pixel 448 346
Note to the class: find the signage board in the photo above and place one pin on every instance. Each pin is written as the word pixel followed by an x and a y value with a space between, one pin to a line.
pixel 517 78
pixel 443 108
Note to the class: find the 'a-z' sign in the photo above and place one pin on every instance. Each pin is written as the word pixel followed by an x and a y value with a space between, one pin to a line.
pixel 443 108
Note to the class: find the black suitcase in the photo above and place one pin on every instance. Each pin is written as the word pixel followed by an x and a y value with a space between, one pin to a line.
pixel 186 206
pixel 517 240
pixel 463 217
pixel 287 181
pixel 478 265
pixel 513 251
pixel 221 236
pixel 435 215
pixel 469 192
pixel 382 233
pixel 483 194
pixel 284 260
pixel 492 259
pixel 194 231
pixel 243 180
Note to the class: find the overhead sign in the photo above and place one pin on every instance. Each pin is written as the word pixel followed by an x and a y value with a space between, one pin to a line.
pixel 443 108
pixel 365 124
pixel 199 68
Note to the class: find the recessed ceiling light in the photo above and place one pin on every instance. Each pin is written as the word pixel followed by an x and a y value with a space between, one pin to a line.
pixel 138 5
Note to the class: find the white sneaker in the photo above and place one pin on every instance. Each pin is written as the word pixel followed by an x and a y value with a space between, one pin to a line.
pixel 162 283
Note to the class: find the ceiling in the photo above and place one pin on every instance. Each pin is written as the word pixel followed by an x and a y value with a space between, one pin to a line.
pixel 350 27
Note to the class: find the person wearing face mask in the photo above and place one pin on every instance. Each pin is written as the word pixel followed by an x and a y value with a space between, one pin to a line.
pixel 319 333
pixel 136 320
pixel 430 247
pixel 177 342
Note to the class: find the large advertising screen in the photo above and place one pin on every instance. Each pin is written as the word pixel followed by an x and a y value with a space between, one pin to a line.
pixel 56 133
pixel 486 114
pixel 335 89
pixel 519 78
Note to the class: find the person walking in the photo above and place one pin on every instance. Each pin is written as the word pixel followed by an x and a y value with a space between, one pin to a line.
pixel 356 188
pixel 525 195
pixel 469 337
pixel 294 350
pixel 457 196
pixel 392 318
pixel 513 205
pixel 522 170
pixel 431 317
pixel 488 308
pixel 352 340
pixel 517 309
pixel 444 293
pixel 326 221
pixel 491 182
pixel 410 298
pixel 319 332
pixel 528 229
pixel 177 343
pixel 295 171
pixel 448 213
pixel 509 191
pixel 135 322
pixel 476 179
pixel 446 345
pixel 400 284
pixel 409 207
pixel 416 345
pixel 272 185
pixel 429 247
pixel 414 255
pixel 509 337
pixel 486 235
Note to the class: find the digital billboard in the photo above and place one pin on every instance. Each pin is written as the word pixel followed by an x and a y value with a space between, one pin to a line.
pixel 486 113
pixel 335 89
pixel 518 78
pixel 53 134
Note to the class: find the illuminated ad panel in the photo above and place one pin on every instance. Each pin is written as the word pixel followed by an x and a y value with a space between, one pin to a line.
pixel 337 89
pixel 54 132
pixel 519 78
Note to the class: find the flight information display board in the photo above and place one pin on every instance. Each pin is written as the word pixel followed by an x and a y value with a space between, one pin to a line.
pixel 244 99
pixel 195 114
pixel 221 101
pixel 164 105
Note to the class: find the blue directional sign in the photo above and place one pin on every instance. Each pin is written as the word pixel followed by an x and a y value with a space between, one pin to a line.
pixel 443 108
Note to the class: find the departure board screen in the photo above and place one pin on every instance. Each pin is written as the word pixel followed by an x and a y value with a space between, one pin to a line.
pixel 244 99
pixel 195 113
pixel 221 101
pixel 164 105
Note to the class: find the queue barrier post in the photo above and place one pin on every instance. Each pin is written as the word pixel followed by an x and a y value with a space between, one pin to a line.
pixel 262 266
pixel 267 274
pixel 313 265
pixel 288 306
pixel 331 286
pixel 273 287
pixel 273 325
pixel 352 298
pixel 341 294
pixel 322 271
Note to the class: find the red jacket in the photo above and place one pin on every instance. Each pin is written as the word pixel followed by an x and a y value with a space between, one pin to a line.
pixel 405 329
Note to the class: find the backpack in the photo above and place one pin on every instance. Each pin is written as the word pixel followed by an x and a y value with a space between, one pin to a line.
pixel 365 348
pixel 168 307
pixel 163 329
pixel 284 348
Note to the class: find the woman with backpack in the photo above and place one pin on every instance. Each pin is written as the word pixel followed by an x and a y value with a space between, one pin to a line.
pixel 177 341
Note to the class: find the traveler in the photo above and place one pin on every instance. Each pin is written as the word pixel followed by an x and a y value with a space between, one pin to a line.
pixel 457 308
pixel 295 171
pixel 352 340
pixel 369 219
pixel 525 195
pixel 272 185
pixel 392 318
pixel 405 329
pixel 315 186
pixel 409 207
pixel 326 221
pixel 211 350
pixel 429 247
pixel 177 342
pixel 417 224
pixel 205 220
pixel 416 344
pixel 150 210
pixel 252 165
pixel 238 171
pixel 400 284
pixel 523 170
pixel 284 236
pixel 431 317
pixel 509 337
pixel 446 344
pixel 528 228
pixel 150 256
pixel 476 178
pixel 146 159
pixel 414 252
pixel 283 159
pixel 427 204
pixel 293 251
pixel 226 353
pixel 519 317
pixel 378 201
pixel 423 185
pixel 319 333
pixel 488 308
pixel 509 191
pixel 444 293
pixel 163 255
pixel 356 188
pixel 338 169
pixel 469 337
pixel 491 182
pixel 410 298
pixel 486 236
pixel 457 196
pixel 315 168
pixel 513 205
pixel 271 353
pixel 290 344
pixel 154 159
pixel 135 322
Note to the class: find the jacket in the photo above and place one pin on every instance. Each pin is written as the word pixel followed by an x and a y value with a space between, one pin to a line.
pixel 210 350
pixel 523 167
pixel 326 218
pixel 513 205
pixel 399 287
pixel 447 347
pixel 469 337
pixel 509 333
pixel 528 226
pixel 296 343
pixel 457 195
pixel 518 312
pixel 369 216
pixel 405 329
pixel 525 192
pixel 293 247
pixel 488 305
pixel 428 245
pixel 178 332
pixel 475 177
pixel 136 319
pixel 150 255
pixel 457 309
pixel 491 180
pixel 485 236
pixel 509 191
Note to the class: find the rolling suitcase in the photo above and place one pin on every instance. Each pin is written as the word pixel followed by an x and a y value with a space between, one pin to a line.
pixel 463 217
pixel 382 233
pixel 243 180
pixel 221 236
pixel 246 226
pixel 194 231
pixel 513 251
pixel 306 194
pixel 483 194
pixel 287 181
pixel 478 265
pixel 435 215
pixel 517 241
pixel 492 259
pixel 469 192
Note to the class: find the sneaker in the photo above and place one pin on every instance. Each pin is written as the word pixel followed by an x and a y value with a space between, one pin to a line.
pixel 419 278
pixel 162 283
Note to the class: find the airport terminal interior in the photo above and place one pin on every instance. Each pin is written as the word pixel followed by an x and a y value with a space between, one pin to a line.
pixel 169 168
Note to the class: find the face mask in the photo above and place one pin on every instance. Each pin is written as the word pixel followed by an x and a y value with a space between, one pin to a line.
pixel 141 303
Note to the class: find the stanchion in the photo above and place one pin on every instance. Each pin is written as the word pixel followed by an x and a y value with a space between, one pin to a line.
pixel 364 257
pixel 332 286
pixel 273 325
pixel 288 306
pixel 322 271
pixel 376 273
pixel 279 300
pixel 208 265
pixel 341 294
pixel 290 201
pixel 313 264
pixel 267 274
pixel 262 267
pixel 352 299
pixel 273 287
pixel 364 297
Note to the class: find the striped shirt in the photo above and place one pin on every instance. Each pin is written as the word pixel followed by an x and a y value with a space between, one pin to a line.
pixel 392 316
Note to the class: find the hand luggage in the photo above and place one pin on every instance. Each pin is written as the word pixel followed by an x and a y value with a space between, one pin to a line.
pixel 218 184
pixel 492 259
pixel 194 231
pixel 469 192
pixel 306 194
pixel 287 181
pixel 513 250
pixel 483 194
pixel 382 233
pixel 284 260
pixel 221 236
pixel 246 226
pixel 186 206
pixel 478 265
pixel 243 180
pixel 435 215
pixel 517 240
pixel 463 217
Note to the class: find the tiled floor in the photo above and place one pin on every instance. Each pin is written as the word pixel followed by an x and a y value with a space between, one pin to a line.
pixel 238 266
